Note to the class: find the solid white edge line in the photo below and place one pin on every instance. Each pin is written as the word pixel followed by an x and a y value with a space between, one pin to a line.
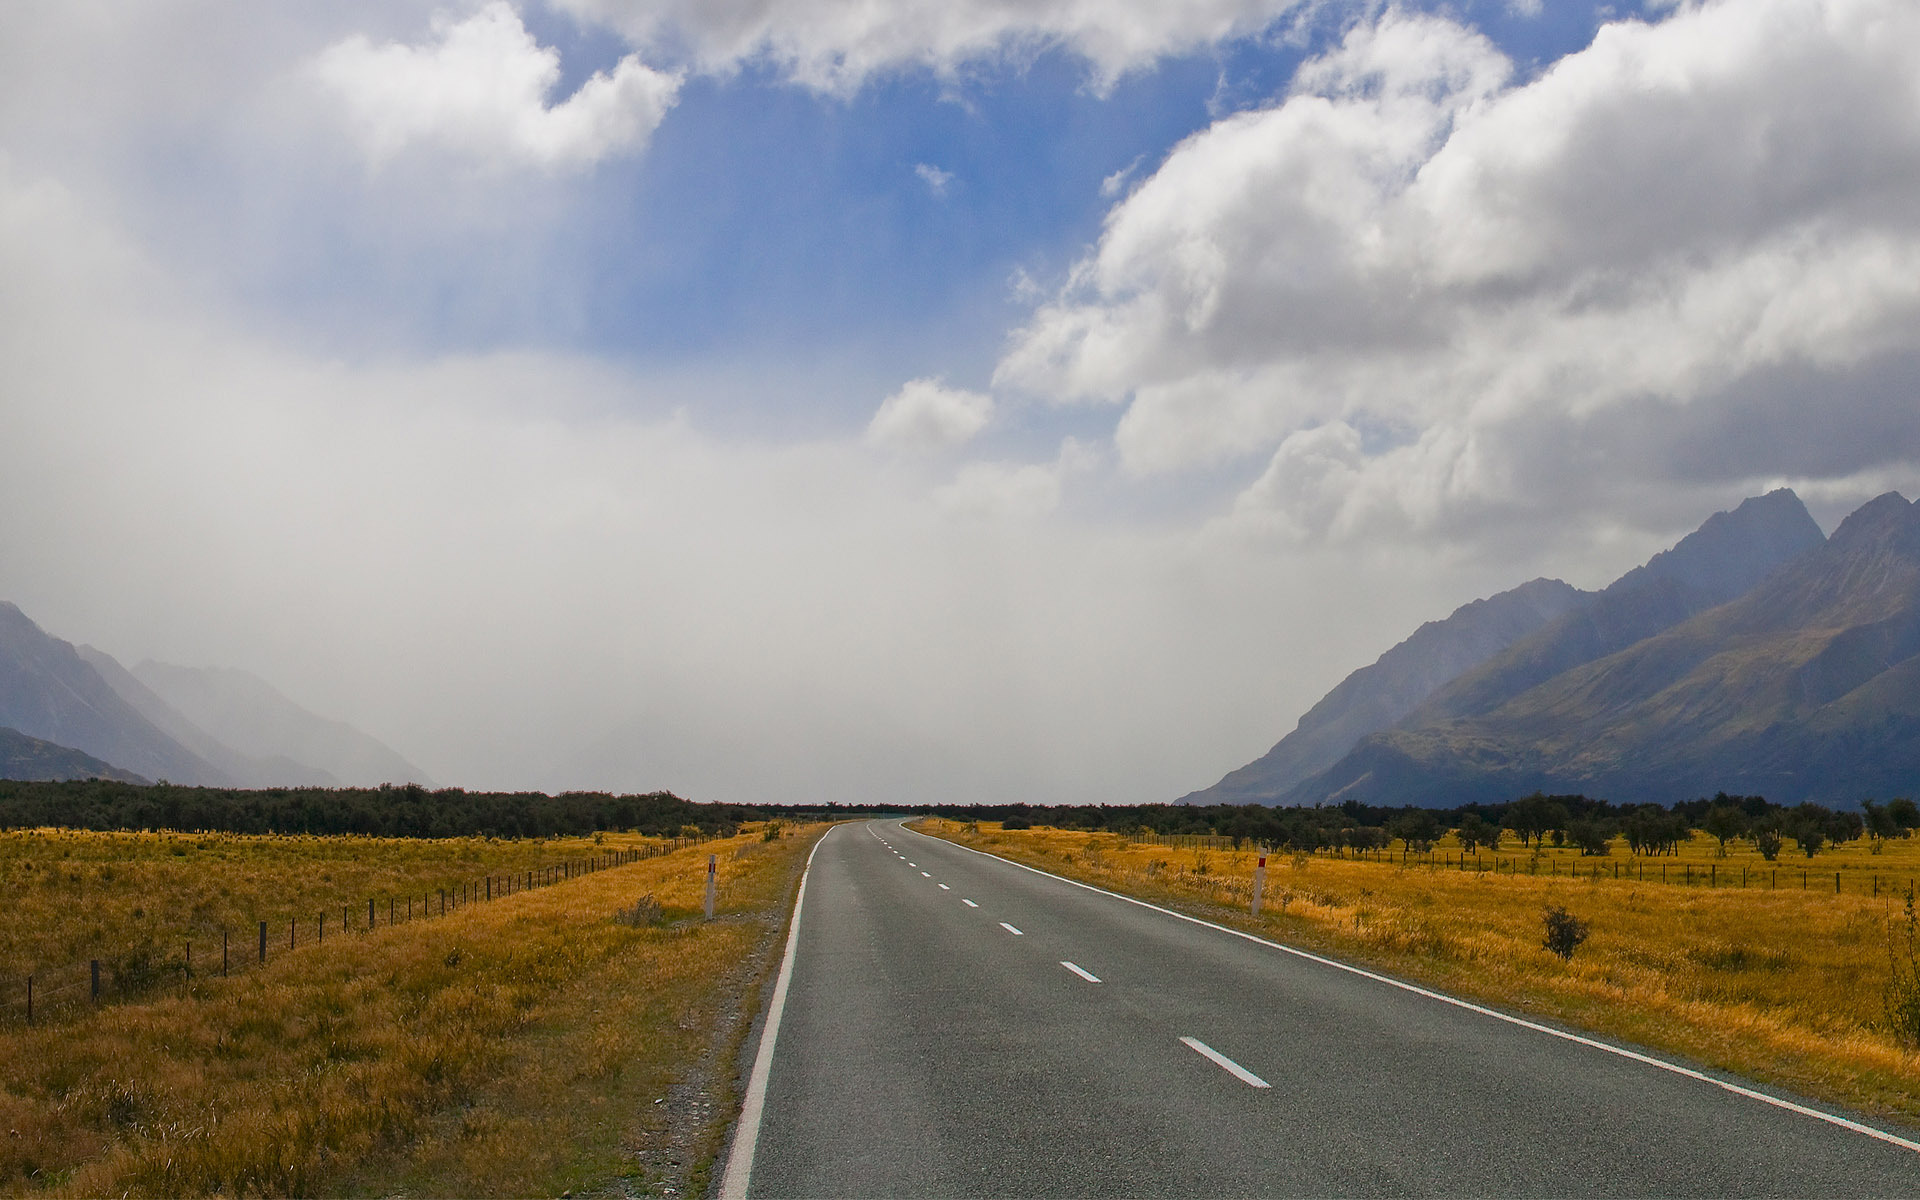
pixel 1010 929
pixel 733 1185
pixel 1225 1064
pixel 1593 1043
pixel 1082 972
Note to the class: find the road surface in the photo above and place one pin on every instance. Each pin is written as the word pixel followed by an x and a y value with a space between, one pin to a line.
pixel 950 1024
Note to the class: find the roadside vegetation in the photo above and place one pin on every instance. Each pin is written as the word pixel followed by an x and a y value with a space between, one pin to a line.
pixel 1784 980
pixel 537 1044
pixel 409 811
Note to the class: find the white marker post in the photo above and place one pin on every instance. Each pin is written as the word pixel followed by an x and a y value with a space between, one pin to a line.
pixel 1259 883
pixel 712 860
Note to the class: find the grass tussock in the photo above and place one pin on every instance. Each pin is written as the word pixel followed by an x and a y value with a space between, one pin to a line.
pixel 505 1049
pixel 1793 986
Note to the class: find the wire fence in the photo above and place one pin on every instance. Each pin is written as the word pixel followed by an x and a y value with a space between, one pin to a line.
pixel 139 971
pixel 1640 868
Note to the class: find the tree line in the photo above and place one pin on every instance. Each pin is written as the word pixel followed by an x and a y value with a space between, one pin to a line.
pixel 1589 824
pixel 409 811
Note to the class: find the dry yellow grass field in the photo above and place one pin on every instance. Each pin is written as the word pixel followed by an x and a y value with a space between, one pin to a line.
pixel 1774 982
pixel 510 1048
pixel 74 895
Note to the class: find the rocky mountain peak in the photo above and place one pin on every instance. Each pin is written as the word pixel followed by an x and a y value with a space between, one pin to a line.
pixel 1732 551
pixel 1885 522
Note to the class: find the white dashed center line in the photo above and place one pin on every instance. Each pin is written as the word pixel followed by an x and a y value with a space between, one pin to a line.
pixel 1082 972
pixel 1010 929
pixel 925 874
pixel 945 888
pixel 1224 1063
pixel 969 903
pixel 913 865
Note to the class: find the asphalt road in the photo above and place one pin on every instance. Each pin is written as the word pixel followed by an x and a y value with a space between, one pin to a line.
pixel 941 1033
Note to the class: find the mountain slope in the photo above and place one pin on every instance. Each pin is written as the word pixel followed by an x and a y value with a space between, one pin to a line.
pixel 245 713
pixel 48 691
pixel 1377 696
pixel 1726 557
pixel 23 757
pixel 244 770
pixel 1805 688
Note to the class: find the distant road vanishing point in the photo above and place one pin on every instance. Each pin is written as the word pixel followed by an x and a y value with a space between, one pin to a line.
pixel 947 1023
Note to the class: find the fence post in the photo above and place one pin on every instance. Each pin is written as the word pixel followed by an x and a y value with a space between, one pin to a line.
pixel 96 981
pixel 263 941
pixel 223 952
pixel 29 999
pixel 1259 883
pixel 489 887
pixel 1836 883
pixel 443 902
pixel 323 927
pixel 189 962
pixel 712 866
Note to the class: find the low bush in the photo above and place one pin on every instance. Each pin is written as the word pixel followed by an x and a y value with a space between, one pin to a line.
pixel 1565 932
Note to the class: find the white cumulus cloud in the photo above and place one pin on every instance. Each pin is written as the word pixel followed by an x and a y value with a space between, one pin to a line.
pixel 1601 278
pixel 837 45
pixel 482 88
pixel 935 179
pixel 926 414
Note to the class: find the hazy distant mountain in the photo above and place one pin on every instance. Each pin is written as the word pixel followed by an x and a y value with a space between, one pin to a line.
pixel 1716 563
pixel 245 771
pixel 1377 697
pixel 48 691
pixel 245 713
pixel 23 757
pixel 1805 688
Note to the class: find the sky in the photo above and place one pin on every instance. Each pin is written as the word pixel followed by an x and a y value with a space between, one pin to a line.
pixel 915 401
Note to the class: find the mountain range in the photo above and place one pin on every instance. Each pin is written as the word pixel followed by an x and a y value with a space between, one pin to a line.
pixel 71 712
pixel 1756 656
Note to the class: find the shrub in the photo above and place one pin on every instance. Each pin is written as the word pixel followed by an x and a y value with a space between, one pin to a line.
pixel 1564 932
pixel 645 911
pixel 1902 997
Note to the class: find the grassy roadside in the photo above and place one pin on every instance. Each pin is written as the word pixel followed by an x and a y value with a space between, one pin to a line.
pixel 1781 985
pixel 529 1046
